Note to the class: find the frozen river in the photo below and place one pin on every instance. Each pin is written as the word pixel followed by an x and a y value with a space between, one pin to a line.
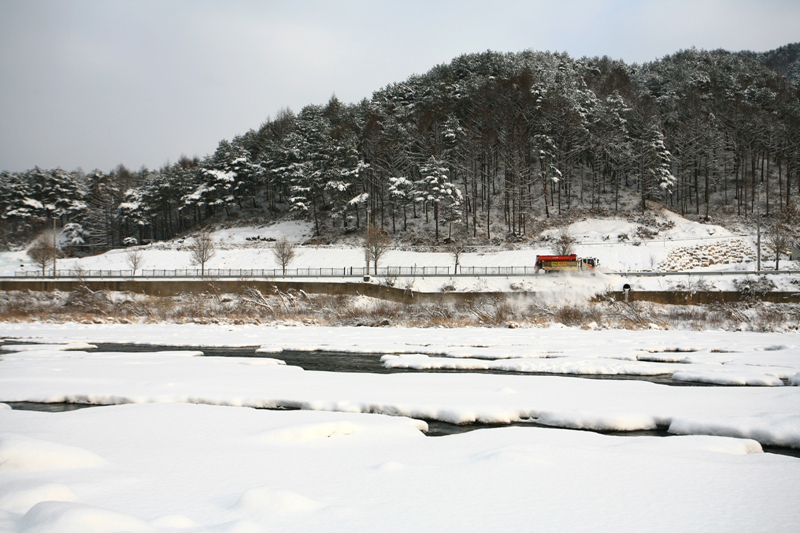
pixel 340 437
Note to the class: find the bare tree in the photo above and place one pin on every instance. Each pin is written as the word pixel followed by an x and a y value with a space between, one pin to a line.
pixel 134 257
pixel 456 249
pixel 42 252
pixel 779 238
pixel 202 249
pixel 565 243
pixel 284 252
pixel 376 243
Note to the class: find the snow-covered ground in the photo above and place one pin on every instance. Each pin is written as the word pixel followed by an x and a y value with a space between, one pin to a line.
pixel 200 468
pixel 181 452
pixel 676 244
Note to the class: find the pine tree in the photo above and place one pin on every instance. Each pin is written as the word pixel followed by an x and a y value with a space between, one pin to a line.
pixel 655 163
pixel 435 189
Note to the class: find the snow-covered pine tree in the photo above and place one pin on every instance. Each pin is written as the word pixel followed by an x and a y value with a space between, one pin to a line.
pixel 654 166
pixel 435 189
pixel 401 194
pixel 100 209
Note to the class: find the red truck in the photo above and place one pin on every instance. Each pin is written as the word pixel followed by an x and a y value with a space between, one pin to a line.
pixel 564 263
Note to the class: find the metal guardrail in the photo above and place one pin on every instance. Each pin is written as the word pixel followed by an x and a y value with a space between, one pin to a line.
pixel 704 273
pixel 341 272
pixel 350 272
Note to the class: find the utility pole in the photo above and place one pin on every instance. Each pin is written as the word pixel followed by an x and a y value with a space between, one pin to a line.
pixel 55 249
pixel 366 248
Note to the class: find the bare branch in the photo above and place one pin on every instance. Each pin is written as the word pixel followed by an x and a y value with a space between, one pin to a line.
pixel 42 252
pixel 284 253
pixel 202 249
pixel 134 257
pixel 376 243
pixel 565 243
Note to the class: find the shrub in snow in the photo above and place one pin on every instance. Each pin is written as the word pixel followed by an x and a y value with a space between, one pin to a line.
pixel 565 243
pixel 750 288
pixel 645 233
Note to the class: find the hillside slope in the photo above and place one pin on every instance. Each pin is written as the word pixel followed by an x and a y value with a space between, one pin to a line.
pixel 662 242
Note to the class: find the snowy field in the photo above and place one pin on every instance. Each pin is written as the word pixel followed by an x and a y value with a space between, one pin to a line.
pixel 180 451
pixel 675 244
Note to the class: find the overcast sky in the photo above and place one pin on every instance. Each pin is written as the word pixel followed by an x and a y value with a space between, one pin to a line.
pixel 96 83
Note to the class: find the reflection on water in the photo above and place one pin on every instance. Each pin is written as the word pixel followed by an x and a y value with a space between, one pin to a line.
pixel 59 407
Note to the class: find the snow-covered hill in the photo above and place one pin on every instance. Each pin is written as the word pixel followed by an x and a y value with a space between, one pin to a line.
pixel 664 242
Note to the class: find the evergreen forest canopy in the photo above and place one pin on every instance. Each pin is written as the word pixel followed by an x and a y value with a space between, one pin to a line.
pixel 490 142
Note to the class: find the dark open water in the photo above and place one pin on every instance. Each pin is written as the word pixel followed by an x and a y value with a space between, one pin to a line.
pixel 332 361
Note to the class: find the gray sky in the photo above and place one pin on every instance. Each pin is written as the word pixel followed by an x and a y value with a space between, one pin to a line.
pixel 96 83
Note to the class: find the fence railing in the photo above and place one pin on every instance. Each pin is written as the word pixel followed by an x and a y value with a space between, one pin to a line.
pixel 340 272
pixel 348 272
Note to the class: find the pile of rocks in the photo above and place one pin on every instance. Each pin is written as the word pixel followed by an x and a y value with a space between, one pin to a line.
pixel 705 255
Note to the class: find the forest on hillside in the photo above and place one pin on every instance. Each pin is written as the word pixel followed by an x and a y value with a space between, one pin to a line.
pixel 489 143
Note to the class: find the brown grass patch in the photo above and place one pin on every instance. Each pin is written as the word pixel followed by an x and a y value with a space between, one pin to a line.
pixel 253 307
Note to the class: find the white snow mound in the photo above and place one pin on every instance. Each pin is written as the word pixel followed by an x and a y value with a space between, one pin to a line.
pixel 308 432
pixel 587 420
pixel 20 496
pixel 34 455
pixel 390 466
pixel 67 517
pixel 262 500
pixel 732 446
pixel 728 378
pixel 778 430
pixel 174 521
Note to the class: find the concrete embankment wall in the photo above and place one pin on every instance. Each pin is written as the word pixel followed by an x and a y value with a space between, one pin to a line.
pixel 705 297
pixel 175 287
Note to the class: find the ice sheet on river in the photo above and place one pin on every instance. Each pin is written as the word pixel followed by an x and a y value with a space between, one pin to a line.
pixel 84 377
pixel 730 374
